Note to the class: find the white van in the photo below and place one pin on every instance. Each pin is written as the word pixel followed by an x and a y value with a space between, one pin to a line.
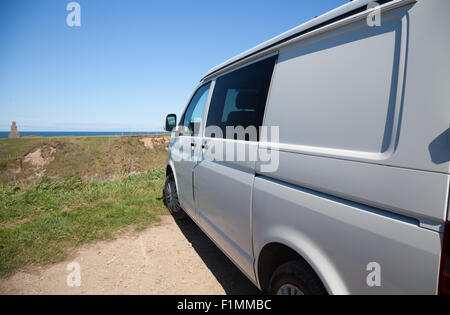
pixel 319 161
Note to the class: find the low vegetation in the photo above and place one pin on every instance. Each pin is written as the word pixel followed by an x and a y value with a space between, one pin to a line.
pixel 89 189
pixel 41 223
pixel 96 157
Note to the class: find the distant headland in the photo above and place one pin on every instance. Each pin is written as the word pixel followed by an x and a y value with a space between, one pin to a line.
pixel 6 134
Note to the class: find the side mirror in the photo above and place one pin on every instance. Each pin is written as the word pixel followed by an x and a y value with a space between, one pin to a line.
pixel 171 122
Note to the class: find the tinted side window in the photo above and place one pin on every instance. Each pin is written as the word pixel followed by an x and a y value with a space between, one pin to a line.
pixel 193 116
pixel 239 98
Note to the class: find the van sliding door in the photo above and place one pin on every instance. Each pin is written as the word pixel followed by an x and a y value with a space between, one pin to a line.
pixel 226 174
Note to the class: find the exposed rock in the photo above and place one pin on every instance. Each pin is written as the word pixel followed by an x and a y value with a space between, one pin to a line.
pixel 14 134
pixel 151 142
pixel 41 156
pixel 148 143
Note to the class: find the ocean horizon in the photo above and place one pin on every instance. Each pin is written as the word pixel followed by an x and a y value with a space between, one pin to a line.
pixel 5 134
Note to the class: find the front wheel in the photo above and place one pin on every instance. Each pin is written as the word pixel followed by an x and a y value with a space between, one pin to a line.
pixel 171 198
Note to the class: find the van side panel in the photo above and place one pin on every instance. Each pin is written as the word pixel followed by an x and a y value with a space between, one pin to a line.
pixel 346 103
pixel 424 135
pixel 364 153
pixel 340 239
pixel 418 194
pixel 345 87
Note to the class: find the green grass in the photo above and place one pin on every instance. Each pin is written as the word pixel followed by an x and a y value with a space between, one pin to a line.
pixel 41 223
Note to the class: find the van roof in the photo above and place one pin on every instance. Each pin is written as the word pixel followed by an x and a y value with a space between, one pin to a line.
pixel 341 12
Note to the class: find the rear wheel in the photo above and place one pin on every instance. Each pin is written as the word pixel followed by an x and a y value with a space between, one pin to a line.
pixel 171 198
pixel 296 278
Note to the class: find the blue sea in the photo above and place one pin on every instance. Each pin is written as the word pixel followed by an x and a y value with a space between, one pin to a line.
pixel 5 134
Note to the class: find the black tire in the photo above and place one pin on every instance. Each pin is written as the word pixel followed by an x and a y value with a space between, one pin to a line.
pixel 171 198
pixel 298 274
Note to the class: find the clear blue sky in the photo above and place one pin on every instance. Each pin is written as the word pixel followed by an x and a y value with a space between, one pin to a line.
pixel 130 63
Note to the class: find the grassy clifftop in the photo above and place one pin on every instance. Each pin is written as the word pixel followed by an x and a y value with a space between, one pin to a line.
pixel 74 190
pixel 95 157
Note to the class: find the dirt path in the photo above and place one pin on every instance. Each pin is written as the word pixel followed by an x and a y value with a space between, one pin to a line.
pixel 172 258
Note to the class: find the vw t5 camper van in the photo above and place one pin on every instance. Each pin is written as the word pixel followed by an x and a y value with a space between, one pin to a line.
pixel 319 161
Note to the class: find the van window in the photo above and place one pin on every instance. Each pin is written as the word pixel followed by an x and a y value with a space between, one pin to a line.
pixel 239 98
pixel 193 116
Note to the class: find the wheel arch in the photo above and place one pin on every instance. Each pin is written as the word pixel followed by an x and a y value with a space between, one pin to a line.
pixel 280 250
pixel 271 257
pixel 170 169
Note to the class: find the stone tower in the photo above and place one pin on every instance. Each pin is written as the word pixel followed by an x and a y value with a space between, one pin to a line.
pixel 14 134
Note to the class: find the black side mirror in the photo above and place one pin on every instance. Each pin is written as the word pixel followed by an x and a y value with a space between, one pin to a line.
pixel 171 122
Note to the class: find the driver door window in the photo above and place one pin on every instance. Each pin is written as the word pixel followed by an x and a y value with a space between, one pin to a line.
pixel 192 118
